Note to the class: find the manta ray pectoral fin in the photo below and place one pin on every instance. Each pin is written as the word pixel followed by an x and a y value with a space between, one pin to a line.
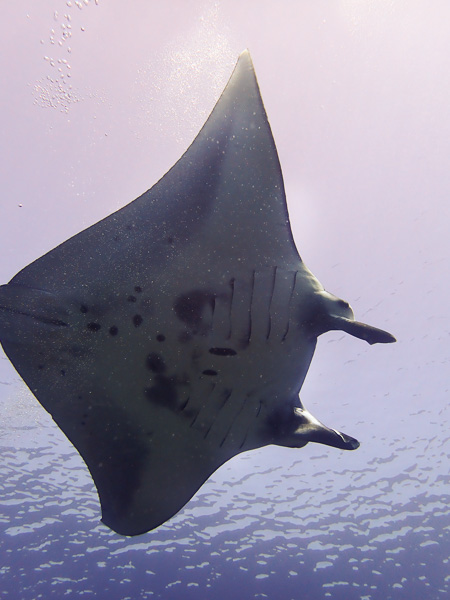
pixel 26 312
pixel 371 335
pixel 304 427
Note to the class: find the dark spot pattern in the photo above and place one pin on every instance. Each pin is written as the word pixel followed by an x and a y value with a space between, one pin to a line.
pixel 161 337
pixel 138 289
pixel 137 320
pixel 63 372
pixel 132 299
pixel 113 330
pixel 170 240
pixel 155 363
pixel 209 372
pixel 222 351
pixel 83 308
pixel 189 307
pixel 40 367
pixel 93 326
pixel 163 392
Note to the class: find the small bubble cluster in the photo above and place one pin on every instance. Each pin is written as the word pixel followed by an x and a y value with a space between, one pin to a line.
pixel 55 89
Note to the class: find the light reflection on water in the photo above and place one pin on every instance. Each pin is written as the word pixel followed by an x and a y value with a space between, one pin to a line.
pixel 270 523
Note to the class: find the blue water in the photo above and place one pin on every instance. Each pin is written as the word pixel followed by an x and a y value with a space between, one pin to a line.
pixel 274 523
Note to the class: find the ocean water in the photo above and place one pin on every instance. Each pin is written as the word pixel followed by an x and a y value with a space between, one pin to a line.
pixel 358 100
pixel 273 523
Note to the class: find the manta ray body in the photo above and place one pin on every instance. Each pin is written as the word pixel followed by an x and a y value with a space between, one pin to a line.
pixel 177 332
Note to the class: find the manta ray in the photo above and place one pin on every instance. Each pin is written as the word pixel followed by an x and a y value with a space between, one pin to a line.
pixel 177 332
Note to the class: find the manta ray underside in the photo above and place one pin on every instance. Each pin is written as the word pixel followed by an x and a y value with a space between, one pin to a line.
pixel 177 332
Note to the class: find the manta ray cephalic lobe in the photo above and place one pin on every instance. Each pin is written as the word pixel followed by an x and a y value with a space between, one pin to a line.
pixel 177 332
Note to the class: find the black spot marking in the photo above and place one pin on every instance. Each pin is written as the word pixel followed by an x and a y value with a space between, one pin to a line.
pixel 83 308
pixel 170 240
pixel 63 372
pixel 209 372
pixel 161 337
pixel 138 289
pixel 132 299
pixel 137 320
pixel 113 330
pixel 189 307
pixel 222 351
pixel 93 326
pixel 164 392
pixel 155 363
pixel 40 367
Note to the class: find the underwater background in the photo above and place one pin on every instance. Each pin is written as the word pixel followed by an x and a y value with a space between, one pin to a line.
pixel 99 99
